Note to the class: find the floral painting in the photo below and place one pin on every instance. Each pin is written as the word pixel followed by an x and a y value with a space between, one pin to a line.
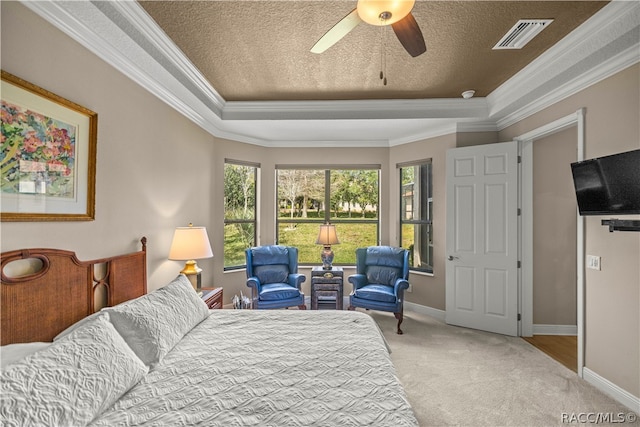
pixel 38 153
pixel 47 155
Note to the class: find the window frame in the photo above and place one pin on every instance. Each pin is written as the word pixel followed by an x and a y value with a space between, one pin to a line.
pixel 327 169
pixel 427 221
pixel 254 221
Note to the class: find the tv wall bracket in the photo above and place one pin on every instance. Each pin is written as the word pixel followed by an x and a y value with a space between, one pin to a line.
pixel 622 224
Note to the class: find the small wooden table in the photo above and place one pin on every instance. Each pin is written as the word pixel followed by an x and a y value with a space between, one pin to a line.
pixel 212 297
pixel 326 287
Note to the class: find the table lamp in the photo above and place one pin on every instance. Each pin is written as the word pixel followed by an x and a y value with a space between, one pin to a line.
pixel 327 237
pixel 191 243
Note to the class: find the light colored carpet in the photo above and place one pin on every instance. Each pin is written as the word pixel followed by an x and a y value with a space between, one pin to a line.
pixel 462 377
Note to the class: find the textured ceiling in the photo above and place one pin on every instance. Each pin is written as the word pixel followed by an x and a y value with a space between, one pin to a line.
pixel 259 50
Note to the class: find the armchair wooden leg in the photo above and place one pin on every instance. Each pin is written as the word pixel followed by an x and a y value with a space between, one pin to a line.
pixel 302 307
pixel 400 318
pixel 351 308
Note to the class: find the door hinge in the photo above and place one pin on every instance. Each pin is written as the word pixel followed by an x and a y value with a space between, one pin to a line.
pixel 519 264
pixel 519 317
pixel 519 211
pixel 519 159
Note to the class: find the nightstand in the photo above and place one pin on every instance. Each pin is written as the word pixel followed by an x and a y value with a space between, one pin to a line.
pixel 326 287
pixel 212 297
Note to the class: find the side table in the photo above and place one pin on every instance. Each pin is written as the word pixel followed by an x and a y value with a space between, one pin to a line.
pixel 326 287
pixel 212 297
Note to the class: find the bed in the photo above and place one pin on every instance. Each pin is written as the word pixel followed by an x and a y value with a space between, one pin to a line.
pixel 163 358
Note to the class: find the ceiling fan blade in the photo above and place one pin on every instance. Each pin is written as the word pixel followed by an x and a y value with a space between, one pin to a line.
pixel 410 36
pixel 337 32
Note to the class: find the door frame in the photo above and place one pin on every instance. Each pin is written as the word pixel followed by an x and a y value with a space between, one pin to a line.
pixel 525 145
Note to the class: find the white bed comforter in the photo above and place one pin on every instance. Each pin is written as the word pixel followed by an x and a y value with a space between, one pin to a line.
pixel 270 368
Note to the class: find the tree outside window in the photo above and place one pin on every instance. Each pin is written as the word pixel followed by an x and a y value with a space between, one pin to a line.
pixel 346 198
pixel 416 213
pixel 240 211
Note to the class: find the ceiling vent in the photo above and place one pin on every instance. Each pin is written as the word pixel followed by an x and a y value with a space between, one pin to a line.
pixel 522 33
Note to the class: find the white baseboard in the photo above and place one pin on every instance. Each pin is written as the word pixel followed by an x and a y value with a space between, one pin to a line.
pixel 555 330
pixel 423 309
pixel 607 387
pixel 537 329
pixel 441 316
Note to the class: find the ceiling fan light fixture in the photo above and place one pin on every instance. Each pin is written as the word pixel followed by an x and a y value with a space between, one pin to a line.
pixel 384 12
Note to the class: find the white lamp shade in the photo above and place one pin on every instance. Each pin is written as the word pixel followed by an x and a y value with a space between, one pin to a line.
pixel 370 10
pixel 327 235
pixel 190 243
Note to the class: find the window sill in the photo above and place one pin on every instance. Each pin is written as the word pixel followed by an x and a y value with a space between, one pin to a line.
pixel 421 273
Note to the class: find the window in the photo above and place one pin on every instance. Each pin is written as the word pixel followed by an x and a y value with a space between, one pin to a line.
pixel 347 198
pixel 416 213
pixel 240 213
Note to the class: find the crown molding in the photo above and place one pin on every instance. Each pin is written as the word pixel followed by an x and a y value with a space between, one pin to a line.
pixel 487 126
pixel 125 36
pixel 436 130
pixel 614 65
pixel 605 44
pixel 433 131
pixel 356 109
pixel 150 33
pixel 311 143
pixel 96 30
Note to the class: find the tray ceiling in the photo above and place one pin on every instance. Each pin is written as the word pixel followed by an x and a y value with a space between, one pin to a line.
pixel 259 50
pixel 243 69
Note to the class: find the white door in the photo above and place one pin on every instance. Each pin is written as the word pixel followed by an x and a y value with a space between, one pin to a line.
pixel 482 237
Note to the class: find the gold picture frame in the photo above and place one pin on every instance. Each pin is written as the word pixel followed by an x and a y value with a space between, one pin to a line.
pixel 48 158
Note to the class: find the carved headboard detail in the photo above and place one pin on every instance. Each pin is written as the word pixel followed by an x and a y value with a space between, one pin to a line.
pixel 39 305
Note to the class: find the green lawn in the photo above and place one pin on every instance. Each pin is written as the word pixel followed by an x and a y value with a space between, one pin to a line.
pixel 351 236
pixel 303 236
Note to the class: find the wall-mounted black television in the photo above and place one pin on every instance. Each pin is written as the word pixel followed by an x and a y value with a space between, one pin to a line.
pixel 608 185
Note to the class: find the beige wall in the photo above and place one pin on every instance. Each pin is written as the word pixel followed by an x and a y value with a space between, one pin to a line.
pixel 554 230
pixel 153 166
pixel 466 139
pixel 156 170
pixel 612 311
pixel 428 290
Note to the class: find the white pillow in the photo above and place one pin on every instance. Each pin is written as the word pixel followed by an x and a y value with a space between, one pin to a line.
pixel 12 353
pixel 77 325
pixel 154 323
pixel 71 382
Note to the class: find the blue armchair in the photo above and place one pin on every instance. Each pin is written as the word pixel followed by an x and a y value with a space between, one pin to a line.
pixel 272 275
pixel 381 278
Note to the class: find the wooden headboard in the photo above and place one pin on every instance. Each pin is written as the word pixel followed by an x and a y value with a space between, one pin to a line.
pixel 40 305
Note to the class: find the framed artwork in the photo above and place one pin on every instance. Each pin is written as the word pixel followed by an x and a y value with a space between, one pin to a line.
pixel 48 158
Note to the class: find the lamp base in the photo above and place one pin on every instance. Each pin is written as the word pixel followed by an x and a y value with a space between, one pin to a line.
pixel 193 273
pixel 196 281
pixel 327 258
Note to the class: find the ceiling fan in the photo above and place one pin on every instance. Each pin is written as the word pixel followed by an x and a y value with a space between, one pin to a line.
pixel 396 13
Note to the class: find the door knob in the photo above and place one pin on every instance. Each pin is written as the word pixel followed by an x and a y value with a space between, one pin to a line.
pixel 451 257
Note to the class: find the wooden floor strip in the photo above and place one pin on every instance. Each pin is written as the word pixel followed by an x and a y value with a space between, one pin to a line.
pixel 562 348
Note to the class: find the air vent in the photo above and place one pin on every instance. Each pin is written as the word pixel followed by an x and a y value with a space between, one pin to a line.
pixel 522 33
